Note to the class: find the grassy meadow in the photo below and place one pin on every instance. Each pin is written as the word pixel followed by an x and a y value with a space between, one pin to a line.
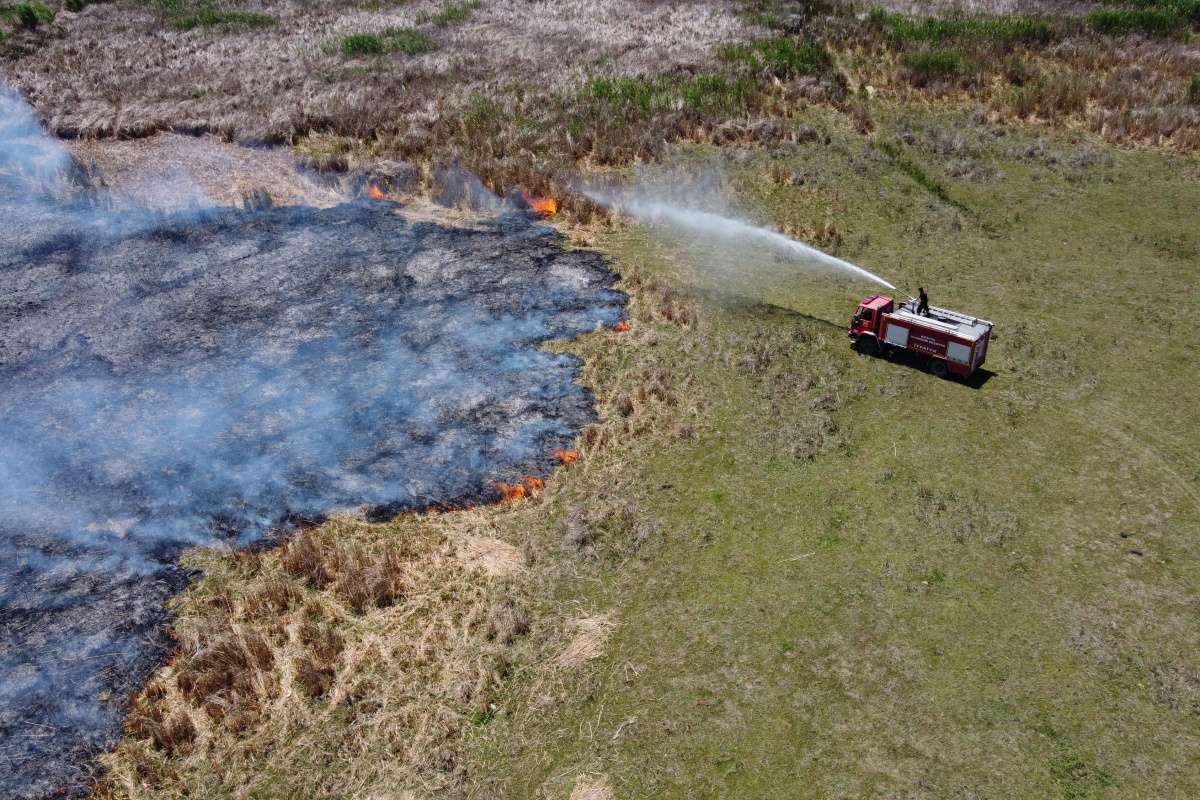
pixel 942 590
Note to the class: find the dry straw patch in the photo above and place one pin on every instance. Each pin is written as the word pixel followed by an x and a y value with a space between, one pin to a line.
pixel 346 661
pixel 1130 91
pixel 495 557
pixel 589 787
pixel 170 171
pixel 589 642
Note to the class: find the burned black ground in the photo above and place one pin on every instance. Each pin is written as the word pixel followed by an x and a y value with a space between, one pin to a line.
pixel 205 378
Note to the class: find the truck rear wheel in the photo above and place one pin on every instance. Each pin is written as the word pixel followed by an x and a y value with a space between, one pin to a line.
pixel 867 345
pixel 938 367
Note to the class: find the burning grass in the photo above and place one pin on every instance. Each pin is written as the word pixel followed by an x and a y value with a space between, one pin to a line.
pixel 776 572
pixel 381 647
pixel 97 617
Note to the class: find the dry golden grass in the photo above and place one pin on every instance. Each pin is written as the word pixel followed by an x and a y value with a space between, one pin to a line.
pixel 591 637
pixel 346 661
pixel 493 556
pixel 118 69
pixel 170 171
pixel 589 787
pixel 1132 92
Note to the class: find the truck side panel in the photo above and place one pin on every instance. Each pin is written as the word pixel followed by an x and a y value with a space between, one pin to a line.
pixel 920 340
pixel 958 352
pixel 896 335
pixel 961 357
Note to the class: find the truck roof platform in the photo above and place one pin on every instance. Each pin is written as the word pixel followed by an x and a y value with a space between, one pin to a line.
pixel 961 325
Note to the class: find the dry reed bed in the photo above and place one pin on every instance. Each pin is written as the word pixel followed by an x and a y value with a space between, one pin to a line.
pixel 510 91
pixel 117 69
pixel 1132 91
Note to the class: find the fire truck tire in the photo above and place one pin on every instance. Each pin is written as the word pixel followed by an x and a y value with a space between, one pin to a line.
pixel 867 345
pixel 938 367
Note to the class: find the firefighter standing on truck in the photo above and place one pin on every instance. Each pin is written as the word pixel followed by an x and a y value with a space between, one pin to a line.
pixel 923 301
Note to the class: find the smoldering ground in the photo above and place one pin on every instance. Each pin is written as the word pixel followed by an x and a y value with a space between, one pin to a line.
pixel 168 381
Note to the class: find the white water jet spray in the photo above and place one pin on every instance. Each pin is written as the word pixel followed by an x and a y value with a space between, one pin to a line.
pixel 706 223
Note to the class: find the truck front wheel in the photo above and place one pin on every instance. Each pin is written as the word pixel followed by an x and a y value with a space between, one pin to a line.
pixel 938 367
pixel 867 345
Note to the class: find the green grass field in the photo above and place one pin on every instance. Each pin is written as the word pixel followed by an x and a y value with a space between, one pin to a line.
pixel 841 577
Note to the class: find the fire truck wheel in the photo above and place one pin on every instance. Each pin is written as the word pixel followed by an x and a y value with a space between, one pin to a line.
pixel 867 345
pixel 938 367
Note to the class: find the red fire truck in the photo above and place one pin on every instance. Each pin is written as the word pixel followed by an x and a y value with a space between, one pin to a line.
pixel 949 342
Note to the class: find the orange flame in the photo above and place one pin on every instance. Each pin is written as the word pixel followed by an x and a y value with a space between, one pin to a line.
pixel 567 457
pixel 544 206
pixel 375 193
pixel 621 326
pixel 512 492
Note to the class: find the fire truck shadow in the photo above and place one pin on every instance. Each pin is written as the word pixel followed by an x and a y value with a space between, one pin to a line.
pixel 762 310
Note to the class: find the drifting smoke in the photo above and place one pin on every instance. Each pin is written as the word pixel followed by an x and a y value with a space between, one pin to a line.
pixel 209 379
pixel 726 230
pixel 26 154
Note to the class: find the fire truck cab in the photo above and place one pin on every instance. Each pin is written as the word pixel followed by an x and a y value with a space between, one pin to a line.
pixel 950 343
